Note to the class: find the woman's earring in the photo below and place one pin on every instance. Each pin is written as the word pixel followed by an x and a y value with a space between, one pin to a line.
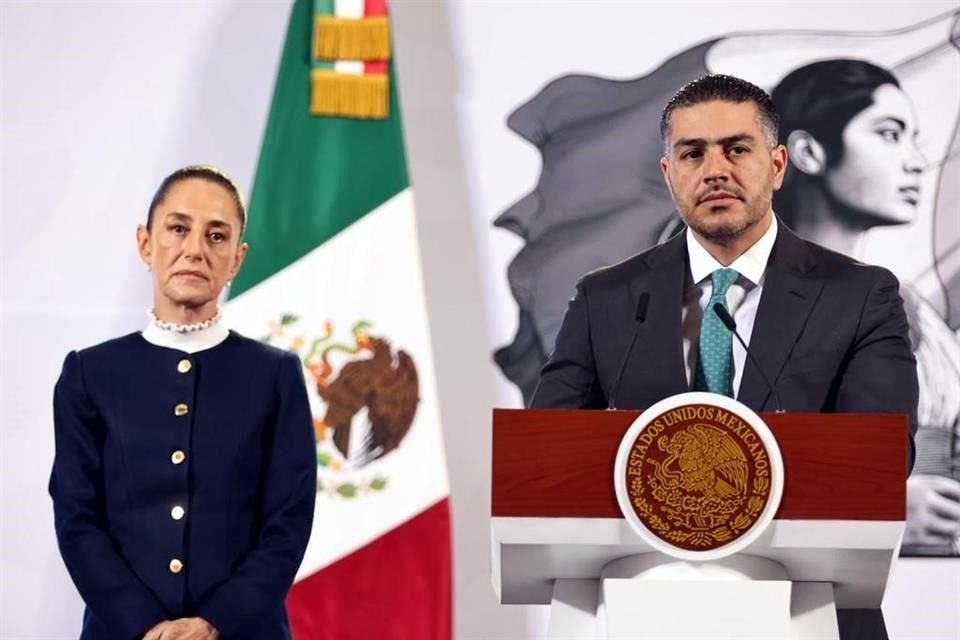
pixel 148 266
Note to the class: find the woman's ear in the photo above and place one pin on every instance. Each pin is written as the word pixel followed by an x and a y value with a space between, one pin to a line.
pixel 806 153
pixel 238 260
pixel 143 244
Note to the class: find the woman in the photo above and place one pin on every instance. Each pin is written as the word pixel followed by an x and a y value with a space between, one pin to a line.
pixel 184 478
pixel 854 164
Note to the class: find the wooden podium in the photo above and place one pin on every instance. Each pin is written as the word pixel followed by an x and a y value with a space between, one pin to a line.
pixel 557 530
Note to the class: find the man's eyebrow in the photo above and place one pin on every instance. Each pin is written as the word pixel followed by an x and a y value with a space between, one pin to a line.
pixel 689 142
pixel 734 139
pixel 702 142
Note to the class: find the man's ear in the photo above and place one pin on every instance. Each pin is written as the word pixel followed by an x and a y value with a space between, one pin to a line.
pixel 806 153
pixel 665 170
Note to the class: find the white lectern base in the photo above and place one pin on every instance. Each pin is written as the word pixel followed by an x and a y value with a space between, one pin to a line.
pixel 740 598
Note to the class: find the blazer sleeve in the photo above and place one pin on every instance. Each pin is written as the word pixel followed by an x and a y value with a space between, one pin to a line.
pixel 259 585
pixel 569 377
pixel 881 373
pixel 104 579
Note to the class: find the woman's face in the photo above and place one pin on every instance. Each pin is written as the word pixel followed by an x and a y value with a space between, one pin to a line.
pixel 193 246
pixel 879 174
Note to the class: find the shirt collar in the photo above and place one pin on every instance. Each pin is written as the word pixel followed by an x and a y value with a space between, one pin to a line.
pixel 750 265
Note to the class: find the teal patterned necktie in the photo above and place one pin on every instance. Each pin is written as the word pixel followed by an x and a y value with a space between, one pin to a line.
pixel 716 341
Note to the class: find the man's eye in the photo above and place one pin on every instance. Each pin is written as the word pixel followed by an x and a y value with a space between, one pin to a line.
pixel 690 155
pixel 216 236
pixel 738 150
pixel 179 229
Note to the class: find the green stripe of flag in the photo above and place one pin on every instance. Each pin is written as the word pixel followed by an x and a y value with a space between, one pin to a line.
pixel 316 175
pixel 322 7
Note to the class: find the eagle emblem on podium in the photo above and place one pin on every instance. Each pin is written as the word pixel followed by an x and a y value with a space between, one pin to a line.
pixel 697 476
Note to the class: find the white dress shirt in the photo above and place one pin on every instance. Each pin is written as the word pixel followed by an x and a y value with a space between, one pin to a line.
pixel 743 297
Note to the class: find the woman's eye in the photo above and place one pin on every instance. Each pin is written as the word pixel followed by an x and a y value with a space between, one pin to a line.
pixel 889 135
pixel 178 229
pixel 216 236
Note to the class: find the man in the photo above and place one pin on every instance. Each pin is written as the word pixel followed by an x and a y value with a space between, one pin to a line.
pixel 829 332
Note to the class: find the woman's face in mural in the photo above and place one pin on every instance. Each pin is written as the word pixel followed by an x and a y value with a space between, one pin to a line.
pixel 879 174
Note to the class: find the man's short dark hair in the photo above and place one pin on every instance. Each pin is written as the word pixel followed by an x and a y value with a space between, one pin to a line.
pixel 722 87
pixel 203 172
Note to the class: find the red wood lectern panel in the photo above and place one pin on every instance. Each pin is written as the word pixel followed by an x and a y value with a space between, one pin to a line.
pixel 559 463
pixel 558 537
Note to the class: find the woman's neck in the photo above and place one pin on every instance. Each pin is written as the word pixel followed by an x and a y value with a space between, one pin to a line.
pixel 179 314
pixel 822 220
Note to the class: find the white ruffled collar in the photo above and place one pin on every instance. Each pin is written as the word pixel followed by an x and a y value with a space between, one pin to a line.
pixel 189 338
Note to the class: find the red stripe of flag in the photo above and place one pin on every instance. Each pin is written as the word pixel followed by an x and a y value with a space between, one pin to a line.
pixel 372 9
pixel 398 587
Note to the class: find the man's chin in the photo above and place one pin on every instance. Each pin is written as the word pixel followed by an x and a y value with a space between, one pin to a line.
pixel 722 225
pixel 717 228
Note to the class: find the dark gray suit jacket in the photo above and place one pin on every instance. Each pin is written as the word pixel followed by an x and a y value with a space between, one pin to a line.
pixel 830 332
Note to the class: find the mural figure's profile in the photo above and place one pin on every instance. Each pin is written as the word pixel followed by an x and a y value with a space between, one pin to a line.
pixel 851 133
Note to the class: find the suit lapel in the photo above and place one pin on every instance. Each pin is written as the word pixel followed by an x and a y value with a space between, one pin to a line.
pixel 788 297
pixel 659 349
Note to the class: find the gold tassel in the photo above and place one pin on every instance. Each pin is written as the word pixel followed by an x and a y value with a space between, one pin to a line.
pixel 351 38
pixel 349 96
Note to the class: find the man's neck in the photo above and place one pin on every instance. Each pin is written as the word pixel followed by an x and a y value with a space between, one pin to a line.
pixel 726 251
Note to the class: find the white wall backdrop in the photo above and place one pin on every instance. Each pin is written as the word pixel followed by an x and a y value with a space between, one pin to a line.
pixel 100 99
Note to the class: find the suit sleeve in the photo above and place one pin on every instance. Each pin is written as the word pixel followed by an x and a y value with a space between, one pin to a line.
pixel 104 579
pixel 881 374
pixel 260 583
pixel 569 380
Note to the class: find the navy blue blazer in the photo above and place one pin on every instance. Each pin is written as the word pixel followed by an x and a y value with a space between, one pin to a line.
pixel 183 484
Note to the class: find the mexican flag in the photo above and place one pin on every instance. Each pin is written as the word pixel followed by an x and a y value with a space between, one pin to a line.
pixel 333 273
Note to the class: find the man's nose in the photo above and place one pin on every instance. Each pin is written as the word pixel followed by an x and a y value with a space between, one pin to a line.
pixel 716 166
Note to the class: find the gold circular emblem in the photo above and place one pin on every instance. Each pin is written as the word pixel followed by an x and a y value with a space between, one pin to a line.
pixel 698 477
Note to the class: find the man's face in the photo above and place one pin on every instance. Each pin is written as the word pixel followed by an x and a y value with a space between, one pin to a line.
pixel 879 173
pixel 720 167
pixel 193 246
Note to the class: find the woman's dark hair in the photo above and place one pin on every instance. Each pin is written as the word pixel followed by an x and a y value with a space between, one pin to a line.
pixel 821 99
pixel 204 172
